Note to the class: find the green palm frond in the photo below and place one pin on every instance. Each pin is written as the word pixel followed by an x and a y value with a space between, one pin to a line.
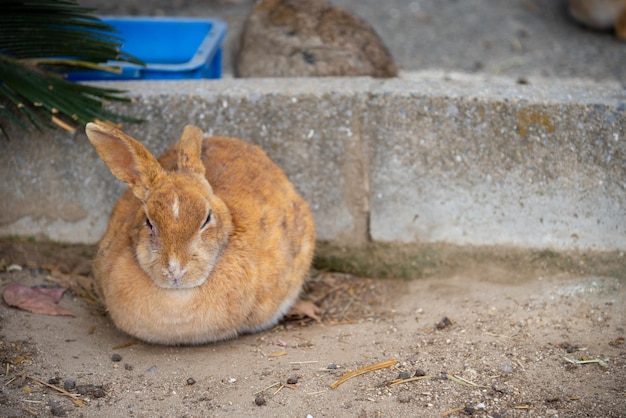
pixel 40 41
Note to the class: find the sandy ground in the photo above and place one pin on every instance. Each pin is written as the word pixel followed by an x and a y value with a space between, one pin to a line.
pixel 502 353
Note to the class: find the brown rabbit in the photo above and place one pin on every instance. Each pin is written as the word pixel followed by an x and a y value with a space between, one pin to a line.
pixel 308 38
pixel 601 14
pixel 210 241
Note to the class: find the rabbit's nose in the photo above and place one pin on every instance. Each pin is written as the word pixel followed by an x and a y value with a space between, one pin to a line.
pixel 174 272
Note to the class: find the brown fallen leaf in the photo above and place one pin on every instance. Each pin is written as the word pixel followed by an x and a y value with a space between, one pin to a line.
pixel 305 308
pixel 39 300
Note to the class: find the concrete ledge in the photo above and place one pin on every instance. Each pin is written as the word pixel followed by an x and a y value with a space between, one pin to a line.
pixel 419 159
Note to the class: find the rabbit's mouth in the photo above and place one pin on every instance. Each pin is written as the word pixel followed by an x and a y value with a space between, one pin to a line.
pixel 175 273
pixel 177 277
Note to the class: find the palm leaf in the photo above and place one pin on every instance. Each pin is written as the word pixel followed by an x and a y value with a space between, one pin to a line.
pixel 40 41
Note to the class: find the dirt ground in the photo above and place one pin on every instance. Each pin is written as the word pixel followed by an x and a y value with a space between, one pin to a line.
pixel 504 350
pixel 512 340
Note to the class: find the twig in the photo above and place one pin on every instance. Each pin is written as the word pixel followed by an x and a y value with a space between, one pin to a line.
pixel 269 387
pixel 281 387
pixel 451 411
pixel 316 393
pixel 30 411
pixel 410 379
pixel 125 345
pixel 491 334
pixel 73 397
pixel 464 382
pixel 600 362
pixel 343 312
pixel 304 362
pixel 372 367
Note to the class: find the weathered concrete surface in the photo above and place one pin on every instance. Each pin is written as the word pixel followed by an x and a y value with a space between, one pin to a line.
pixel 530 166
pixel 424 158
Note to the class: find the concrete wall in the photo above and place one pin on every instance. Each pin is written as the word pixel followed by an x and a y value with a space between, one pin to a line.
pixel 423 158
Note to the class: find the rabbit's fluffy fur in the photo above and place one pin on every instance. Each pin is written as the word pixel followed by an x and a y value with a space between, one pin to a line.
pixel 210 241
pixel 309 38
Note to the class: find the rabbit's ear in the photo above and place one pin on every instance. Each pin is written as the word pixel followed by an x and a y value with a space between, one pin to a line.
pixel 190 150
pixel 128 160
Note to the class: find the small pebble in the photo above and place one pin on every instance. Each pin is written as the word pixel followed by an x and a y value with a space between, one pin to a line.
pixel 469 410
pixel 191 381
pixel 444 323
pixel 91 390
pixel 128 367
pixel 152 369
pixel 419 373
pixel 57 411
pixel 69 384
pixel 292 380
pixel 331 366
pixel 116 358
pixel 404 375
pixel 259 400
pixel 54 381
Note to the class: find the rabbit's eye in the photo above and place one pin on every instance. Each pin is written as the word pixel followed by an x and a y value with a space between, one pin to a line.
pixel 208 220
pixel 149 225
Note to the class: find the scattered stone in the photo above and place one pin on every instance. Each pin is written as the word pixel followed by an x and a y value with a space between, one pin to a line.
pixel 90 390
pixel 569 348
pixel 404 375
pixel 419 373
pixel 69 384
pixel 128 367
pixel 260 400
pixel 54 380
pixel 292 380
pixel 444 323
pixel 332 366
pixel 191 381
pixel 116 358
pixel 469 410
pixel 152 369
pixel 55 409
pixel 499 389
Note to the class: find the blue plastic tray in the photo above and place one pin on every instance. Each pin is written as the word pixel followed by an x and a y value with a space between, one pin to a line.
pixel 172 48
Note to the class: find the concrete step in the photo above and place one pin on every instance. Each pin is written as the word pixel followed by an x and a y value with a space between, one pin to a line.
pixel 425 158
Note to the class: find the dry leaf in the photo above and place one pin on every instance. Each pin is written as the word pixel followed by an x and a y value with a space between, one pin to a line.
pixel 306 308
pixel 39 300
